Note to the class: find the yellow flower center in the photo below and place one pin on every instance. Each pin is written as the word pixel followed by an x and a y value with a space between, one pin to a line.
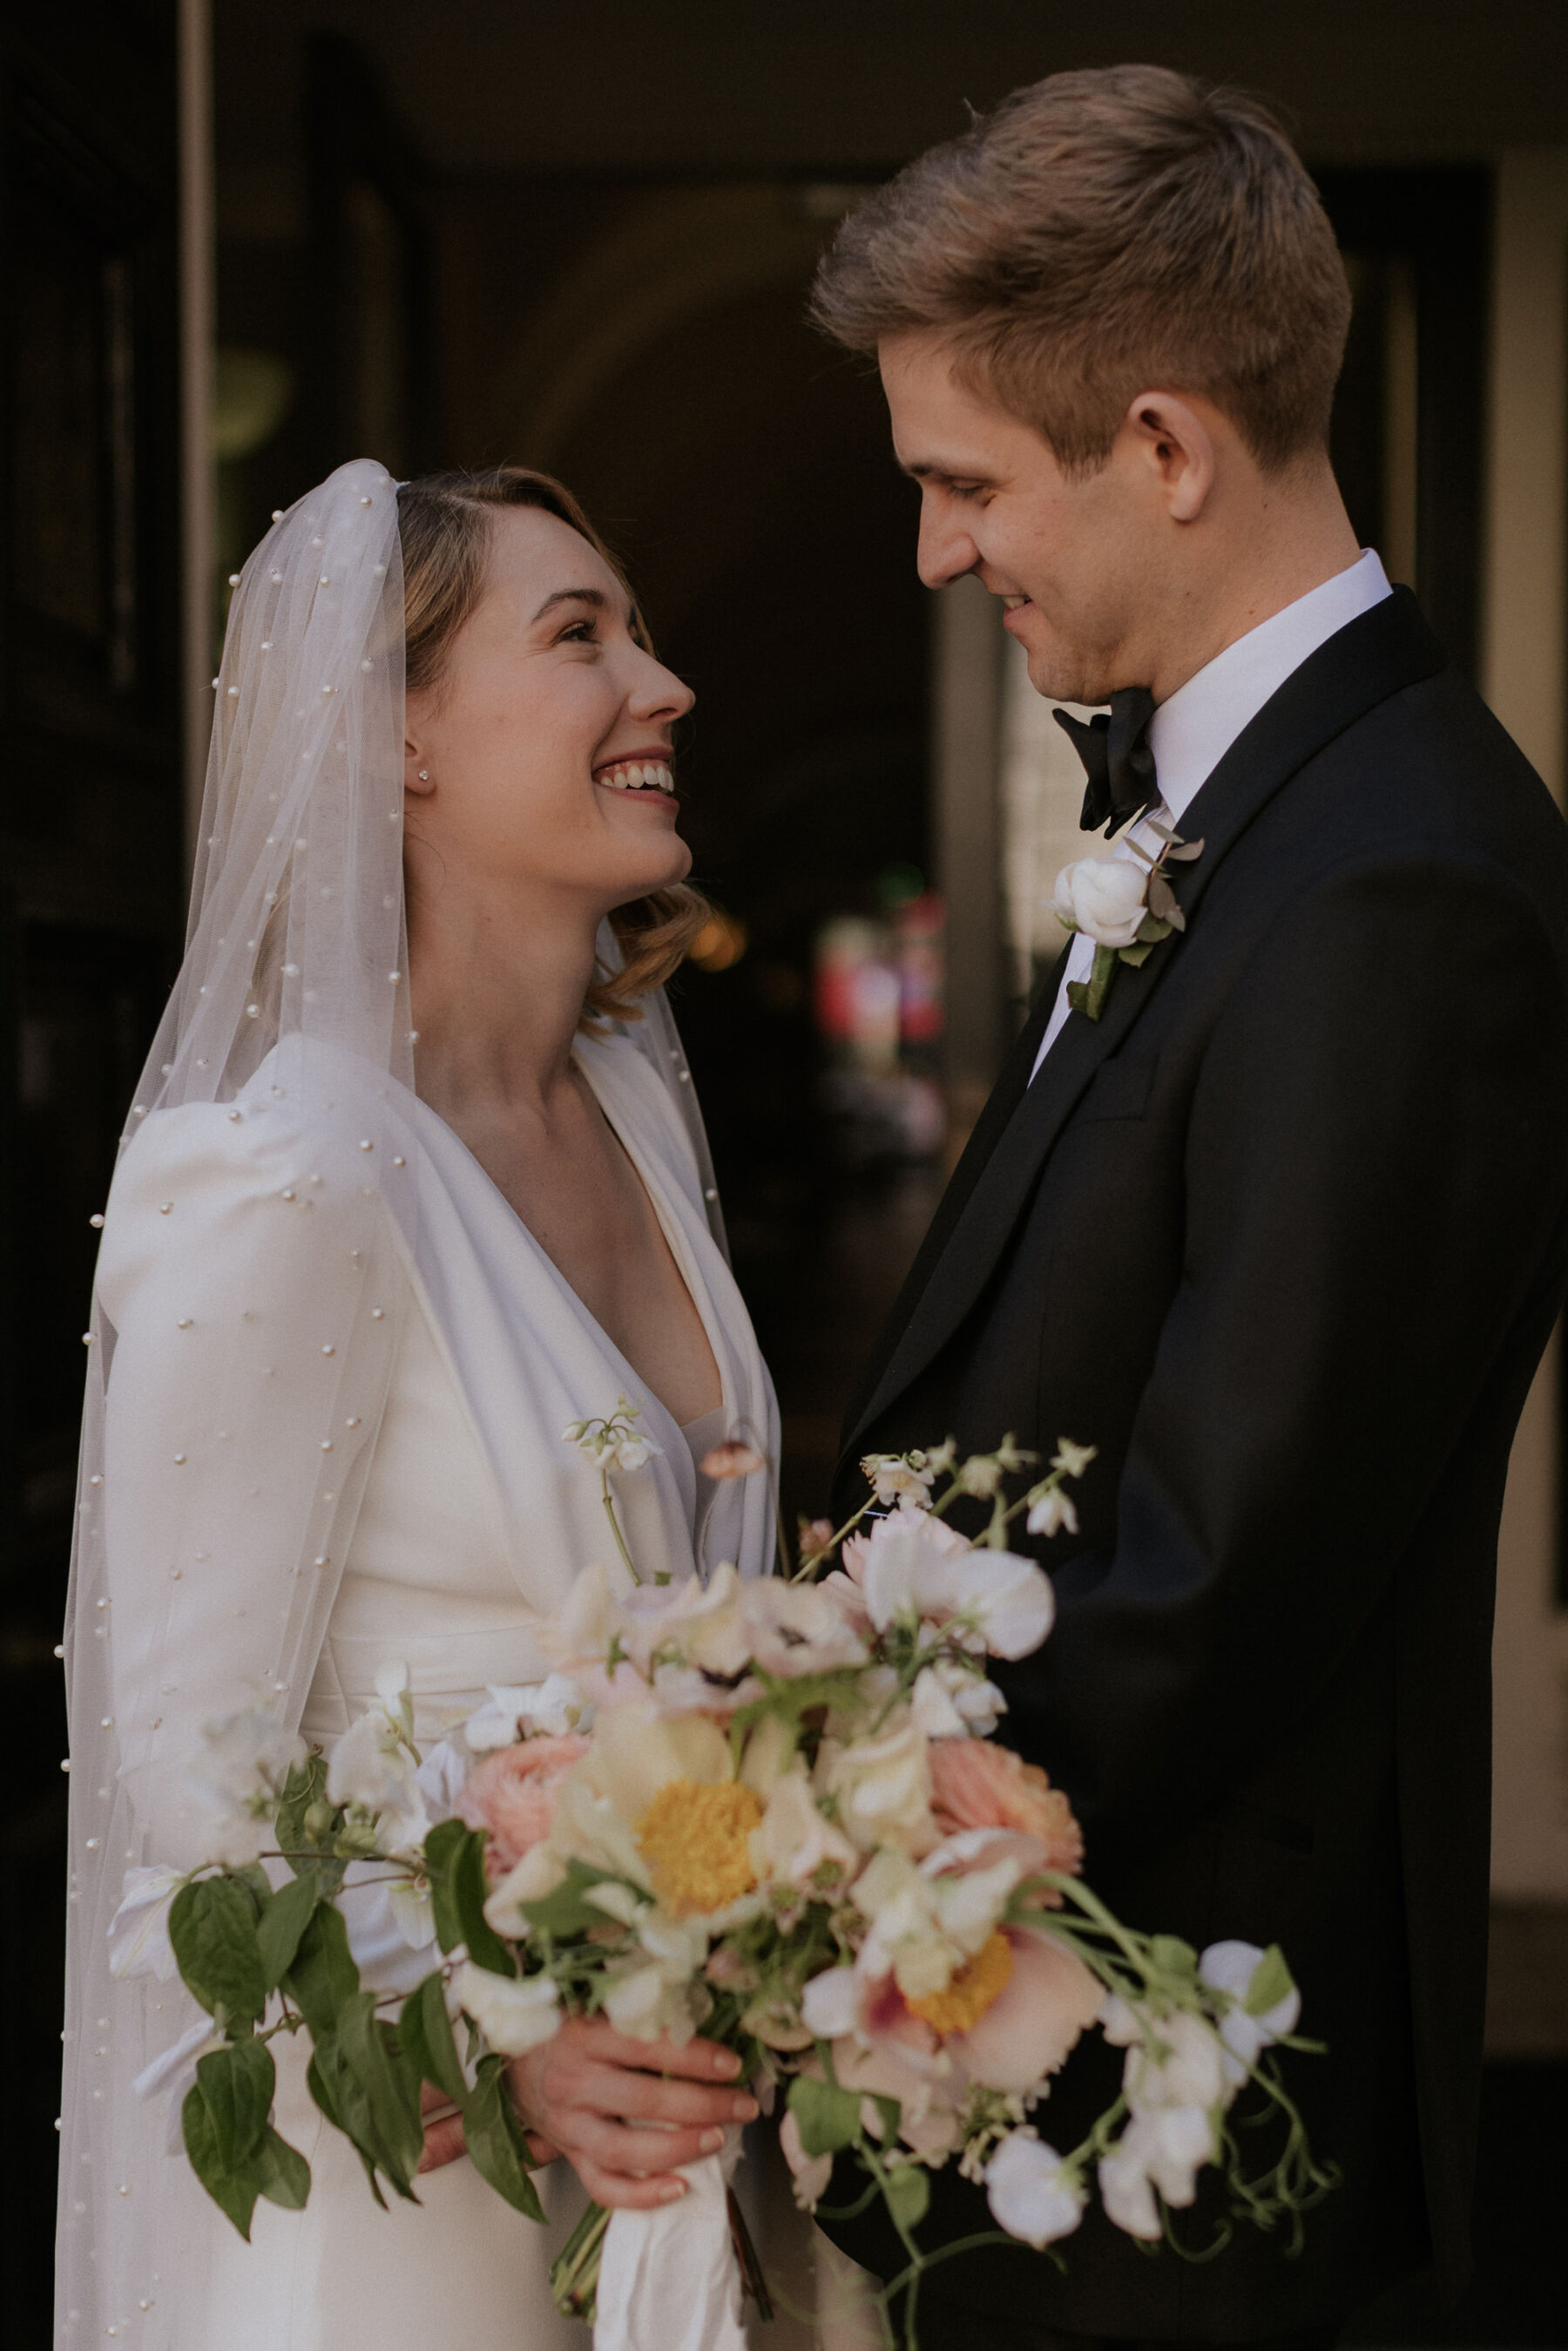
pixel 693 1839
pixel 979 1982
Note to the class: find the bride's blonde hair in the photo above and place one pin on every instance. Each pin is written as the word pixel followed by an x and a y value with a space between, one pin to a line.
pixel 443 524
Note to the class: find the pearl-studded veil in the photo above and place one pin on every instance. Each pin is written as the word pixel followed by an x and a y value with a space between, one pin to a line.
pixel 286 1049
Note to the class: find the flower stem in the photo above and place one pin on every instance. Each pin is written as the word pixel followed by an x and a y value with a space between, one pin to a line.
pixel 575 2273
pixel 615 1527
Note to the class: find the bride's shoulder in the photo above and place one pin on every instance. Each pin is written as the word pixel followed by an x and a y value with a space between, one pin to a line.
pixel 271 1175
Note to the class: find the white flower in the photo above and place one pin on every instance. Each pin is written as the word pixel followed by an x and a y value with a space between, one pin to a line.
pixel 662 1995
pixel 950 1702
pixel 612 1442
pixel 1232 1968
pixel 243 1763
pixel 896 1479
pixel 372 1770
pixel 925 1923
pixel 911 1564
pixel 526 1710
pixel 143 1947
pixel 832 2002
pixel 796 1628
pixel 794 1840
pixel 881 1787
pixel 174 2074
pixel 1176 2061
pixel 1050 1513
pixel 513 2014
pixel 1073 1458
pixel 1165 2151
pixel 1029 2194
pixel 1103 897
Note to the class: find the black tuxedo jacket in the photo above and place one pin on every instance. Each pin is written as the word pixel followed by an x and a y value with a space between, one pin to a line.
pixel 1284 1236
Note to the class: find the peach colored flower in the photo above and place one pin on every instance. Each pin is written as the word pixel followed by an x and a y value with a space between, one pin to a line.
pixel 512 1794
pixel 978 1785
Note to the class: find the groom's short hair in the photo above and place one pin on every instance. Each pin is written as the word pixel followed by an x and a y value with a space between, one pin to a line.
pixel 1103 233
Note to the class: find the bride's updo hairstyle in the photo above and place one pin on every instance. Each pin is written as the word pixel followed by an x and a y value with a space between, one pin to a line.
pixel 443 525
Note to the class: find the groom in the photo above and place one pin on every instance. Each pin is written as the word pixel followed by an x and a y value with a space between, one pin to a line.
pixel 1283 1230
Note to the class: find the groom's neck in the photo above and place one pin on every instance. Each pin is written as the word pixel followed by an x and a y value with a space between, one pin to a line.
pixel 1266 541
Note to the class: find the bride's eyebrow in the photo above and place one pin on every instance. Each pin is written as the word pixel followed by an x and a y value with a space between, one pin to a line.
pixel 594 596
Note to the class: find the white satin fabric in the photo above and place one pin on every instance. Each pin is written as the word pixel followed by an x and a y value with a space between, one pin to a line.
pixel 235 1266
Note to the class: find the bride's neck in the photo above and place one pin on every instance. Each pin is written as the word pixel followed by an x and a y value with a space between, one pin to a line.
pixel 497 989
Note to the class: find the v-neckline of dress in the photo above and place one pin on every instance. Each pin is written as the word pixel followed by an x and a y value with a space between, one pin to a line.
pixel 669 1224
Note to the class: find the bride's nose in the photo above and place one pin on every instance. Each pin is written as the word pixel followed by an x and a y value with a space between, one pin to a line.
pixel 658 694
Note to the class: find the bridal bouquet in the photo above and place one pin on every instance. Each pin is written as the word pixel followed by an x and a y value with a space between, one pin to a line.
pixel 769 1812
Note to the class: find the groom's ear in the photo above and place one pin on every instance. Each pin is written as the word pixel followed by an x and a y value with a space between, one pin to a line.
pixel 1174 442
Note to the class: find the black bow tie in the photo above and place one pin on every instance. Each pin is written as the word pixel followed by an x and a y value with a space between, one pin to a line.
pixel 1114 748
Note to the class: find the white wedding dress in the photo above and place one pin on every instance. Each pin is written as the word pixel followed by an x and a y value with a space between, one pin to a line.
pixel 234 1262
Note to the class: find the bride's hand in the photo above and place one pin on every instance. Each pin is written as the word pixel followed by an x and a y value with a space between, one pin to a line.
pixel 443 2133
pixel 592 2092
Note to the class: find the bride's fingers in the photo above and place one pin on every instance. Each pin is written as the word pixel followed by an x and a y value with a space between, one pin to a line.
pixel 616 2090
pixel 695 2061
pixel 617 2193
pixel 443 2142
pixel 621 2150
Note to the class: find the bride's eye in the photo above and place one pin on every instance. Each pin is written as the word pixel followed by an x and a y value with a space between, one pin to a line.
pixel 580 632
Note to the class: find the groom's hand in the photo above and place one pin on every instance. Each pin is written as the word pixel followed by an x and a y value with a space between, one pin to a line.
pixel 593 2092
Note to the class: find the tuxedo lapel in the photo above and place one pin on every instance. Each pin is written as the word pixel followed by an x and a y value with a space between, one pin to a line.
pixel 987 1132
pixel 1375 656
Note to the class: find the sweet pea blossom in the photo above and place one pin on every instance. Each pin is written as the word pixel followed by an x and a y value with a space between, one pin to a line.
pixel 1232 1968
pixel 880 1787
pixel 374 1768
pixel 1029 2192
pixel 795 1844
pixel 1171 2062
pixel 139 1931
pixel 1164 2150
pixel 1104 897
pixel 948 1701
pixel 911 1564
pixel 513 2013
pixel 244 1760
pixel 526 1710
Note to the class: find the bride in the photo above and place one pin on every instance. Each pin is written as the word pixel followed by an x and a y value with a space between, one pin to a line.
pixel 414 1179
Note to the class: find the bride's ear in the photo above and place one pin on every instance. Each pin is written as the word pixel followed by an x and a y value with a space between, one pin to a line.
pixel 417 776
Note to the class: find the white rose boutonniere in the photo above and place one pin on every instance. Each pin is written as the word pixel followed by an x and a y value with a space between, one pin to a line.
pixel 1125 905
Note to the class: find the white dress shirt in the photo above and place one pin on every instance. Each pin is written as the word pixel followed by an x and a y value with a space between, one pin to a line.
pixel 1190 733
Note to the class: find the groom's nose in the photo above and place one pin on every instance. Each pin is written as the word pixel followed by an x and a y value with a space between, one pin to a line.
pixel 946 550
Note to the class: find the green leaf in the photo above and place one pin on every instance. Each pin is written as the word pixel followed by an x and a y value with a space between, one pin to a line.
pixel 1173 1957
pixel 495 2140
pixel 1078 996
pixel 212 1927
pixel 424 2030
pixel 233 2193
pixel 908 2193
pixel 563 1911
pixel 827 2117
pixel 282 1922
pixel 1137 953
pixel 454 1859
pixel 388 2087
pixel 1150 931
pixel 327 2077
pixel 237 2083
pixel 322 1978
pixel 1271 1981
pixel 281 2172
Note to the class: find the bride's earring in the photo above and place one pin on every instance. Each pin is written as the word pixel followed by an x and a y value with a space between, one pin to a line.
pixel 425 775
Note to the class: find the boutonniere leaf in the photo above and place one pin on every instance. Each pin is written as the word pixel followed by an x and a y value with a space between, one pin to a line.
pixel 1126 905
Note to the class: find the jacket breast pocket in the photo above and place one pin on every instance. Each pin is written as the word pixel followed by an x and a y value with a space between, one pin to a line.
pixel 1121 1089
